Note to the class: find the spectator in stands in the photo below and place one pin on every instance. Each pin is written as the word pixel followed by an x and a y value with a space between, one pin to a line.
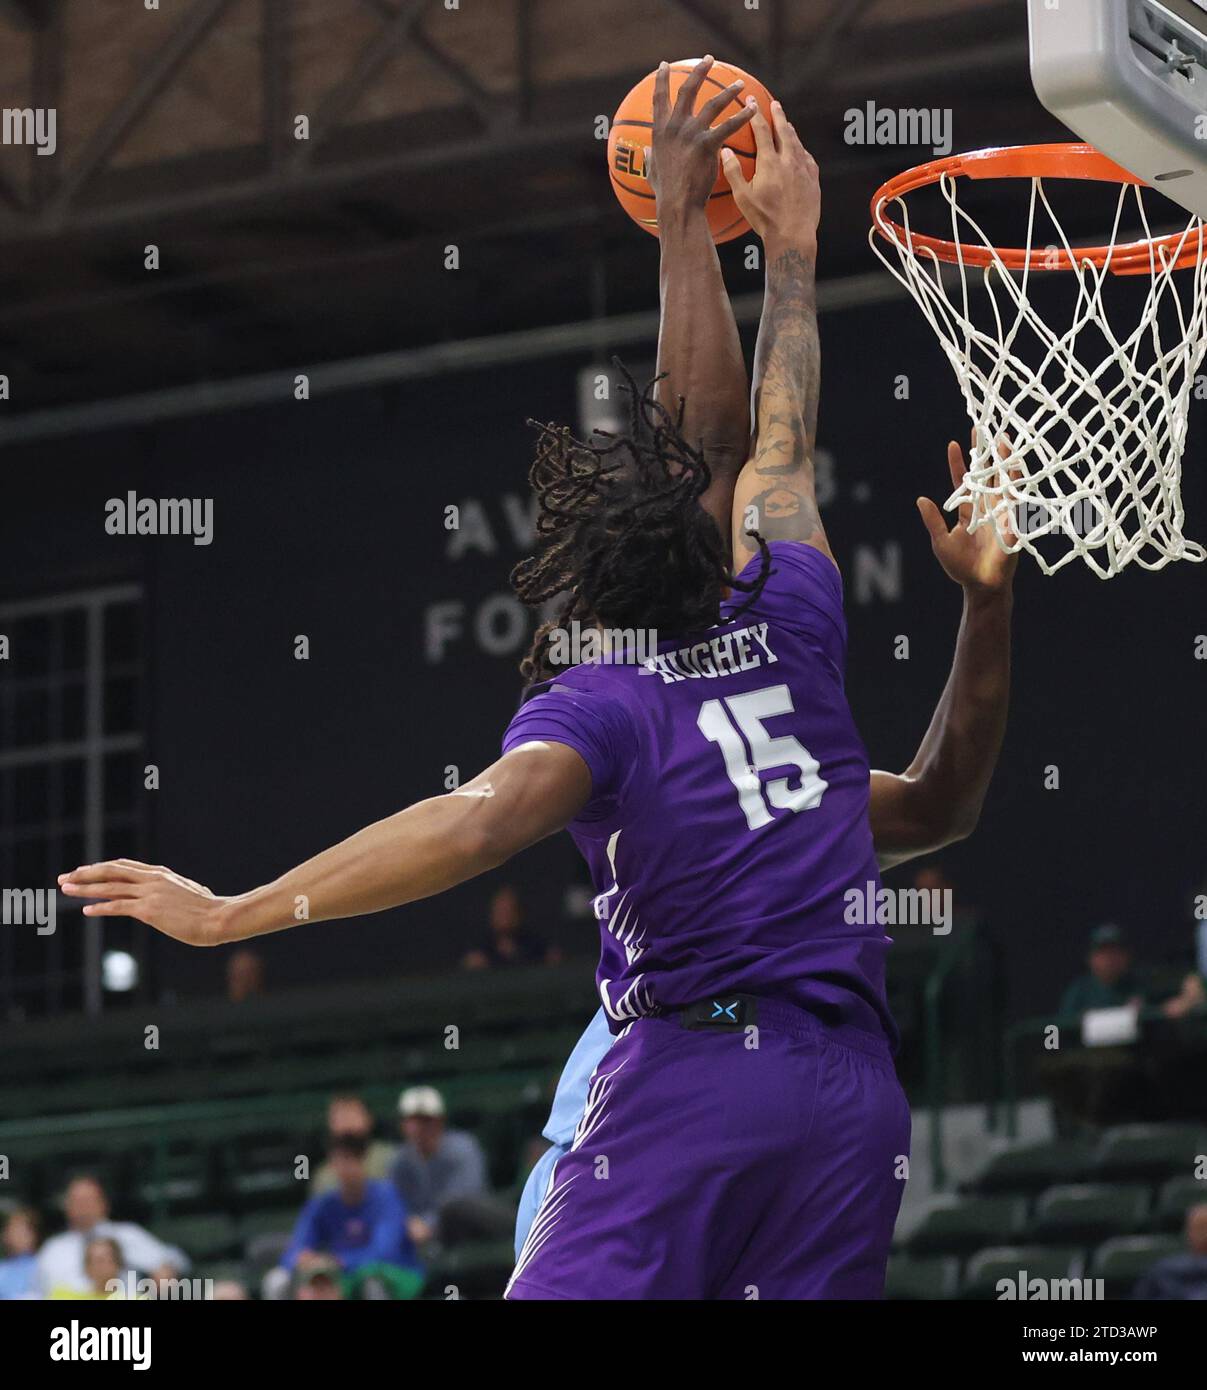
pixel 61 1271
pixel 441 1175
pixel 244 976
pixel 1181 1277
pixel 1109 981
pixel 361 1223
pixel 348 1117
pixel 19 1268
pixel 508 942
pixel 103 1264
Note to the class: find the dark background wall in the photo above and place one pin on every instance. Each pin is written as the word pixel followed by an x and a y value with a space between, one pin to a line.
pixel 329 522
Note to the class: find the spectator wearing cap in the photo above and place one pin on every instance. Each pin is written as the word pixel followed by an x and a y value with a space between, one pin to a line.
pixel 19 1268
pixel 363 1221
pixel 348 1117
pixel 441 1175
pixel 1109 981
pixel 61 1266
pixel 1102 1084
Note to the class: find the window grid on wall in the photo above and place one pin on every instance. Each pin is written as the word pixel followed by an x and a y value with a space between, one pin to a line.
pixel 71 730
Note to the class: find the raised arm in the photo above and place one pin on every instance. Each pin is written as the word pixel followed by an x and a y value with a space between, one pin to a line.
pixel 528 794
pixel 775 492
pixel 937 799
pixel 699 349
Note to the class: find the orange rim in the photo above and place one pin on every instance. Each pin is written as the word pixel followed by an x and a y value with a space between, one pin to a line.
pixel 1028 162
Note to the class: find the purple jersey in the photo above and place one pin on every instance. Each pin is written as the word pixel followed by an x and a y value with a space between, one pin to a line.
pixel 729 811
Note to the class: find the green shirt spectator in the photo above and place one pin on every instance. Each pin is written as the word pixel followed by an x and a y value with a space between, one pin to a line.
pixel 1109 982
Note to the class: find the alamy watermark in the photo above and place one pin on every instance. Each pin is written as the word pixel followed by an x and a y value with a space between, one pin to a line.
pixel 161 516
pixel 81 1342
pixel 884 125
pixel 583 644
pixel 872 905
pixel 36 126
pixel 130 1286
pixel 1026 1288
pixel 29 907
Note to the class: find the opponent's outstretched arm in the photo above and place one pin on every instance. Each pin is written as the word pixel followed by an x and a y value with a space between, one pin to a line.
pixel 775 494
pixel 937 799
pixel 530 793
pixel 699 348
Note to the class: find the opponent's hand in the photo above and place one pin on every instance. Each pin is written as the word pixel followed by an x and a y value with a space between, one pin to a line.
pixel 975 561
pixel 174 905
pixel 782 202
pixel 682 164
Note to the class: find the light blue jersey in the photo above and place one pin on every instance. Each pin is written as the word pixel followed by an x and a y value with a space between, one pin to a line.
pixel 569 1102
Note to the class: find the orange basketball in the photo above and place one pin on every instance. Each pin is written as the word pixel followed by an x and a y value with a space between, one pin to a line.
pixel 631 133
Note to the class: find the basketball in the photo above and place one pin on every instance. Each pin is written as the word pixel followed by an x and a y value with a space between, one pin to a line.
pixel 632 128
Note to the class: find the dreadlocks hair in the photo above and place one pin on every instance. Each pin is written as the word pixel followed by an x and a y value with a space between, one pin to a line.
pixel 621 537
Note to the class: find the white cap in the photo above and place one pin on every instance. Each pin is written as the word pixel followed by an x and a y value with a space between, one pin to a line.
pixel 421 1100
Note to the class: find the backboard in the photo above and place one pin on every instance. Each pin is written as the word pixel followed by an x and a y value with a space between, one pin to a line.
pixel 1130 78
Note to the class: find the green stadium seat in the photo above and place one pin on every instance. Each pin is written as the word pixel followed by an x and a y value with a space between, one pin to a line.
pixel 268 1223
pixel 987 1268
pixel 260 1186
pixel 928 1277
pixel 960 1225
pixel 1175 1198
pixel 1120 1262
pixel 1089 1212
pixel 259 1174
pixel 1030 1168
pixel 182 1181
pixel 1152 1152
pixel 209 1236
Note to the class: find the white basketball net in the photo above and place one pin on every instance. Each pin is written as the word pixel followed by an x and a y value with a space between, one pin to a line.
pixel 1093 443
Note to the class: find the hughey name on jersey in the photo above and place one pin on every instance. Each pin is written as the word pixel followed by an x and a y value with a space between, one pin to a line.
pixel 717 656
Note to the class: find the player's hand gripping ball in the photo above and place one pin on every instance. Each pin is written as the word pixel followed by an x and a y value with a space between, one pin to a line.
pixel 632 134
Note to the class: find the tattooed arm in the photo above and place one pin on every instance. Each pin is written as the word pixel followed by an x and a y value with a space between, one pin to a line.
pixel 775 492
pixel 698 344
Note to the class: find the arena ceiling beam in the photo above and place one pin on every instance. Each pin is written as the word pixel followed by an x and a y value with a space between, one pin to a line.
pixel 182 42
pixel 276 71
pixel 490 112
pixel 375 54
pixel 449 108
pixel 93 194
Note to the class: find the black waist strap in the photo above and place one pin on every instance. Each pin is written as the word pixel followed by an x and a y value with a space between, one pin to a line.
pixel 725 1013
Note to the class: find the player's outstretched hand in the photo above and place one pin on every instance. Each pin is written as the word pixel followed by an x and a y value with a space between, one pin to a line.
pixel 974 560
pixel 174 905
pixel 682 164
pixel 782 202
